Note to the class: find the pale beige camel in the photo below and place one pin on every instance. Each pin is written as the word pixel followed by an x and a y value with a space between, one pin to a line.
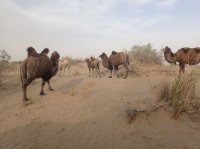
pixel 62 65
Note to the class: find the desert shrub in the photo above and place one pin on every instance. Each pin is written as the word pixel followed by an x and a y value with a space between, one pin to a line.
pixel 145 54
pixel 180 94
pixel 74 61
pixel 4 59
pixel 163 90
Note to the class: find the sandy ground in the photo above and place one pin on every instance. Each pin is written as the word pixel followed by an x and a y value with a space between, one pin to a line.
pixel 89 113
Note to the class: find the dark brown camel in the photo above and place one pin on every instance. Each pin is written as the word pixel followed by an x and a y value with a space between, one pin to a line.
pixel 183 56
pixel 92 64
pixel 38 66
pixel 104 59
pixel 114 61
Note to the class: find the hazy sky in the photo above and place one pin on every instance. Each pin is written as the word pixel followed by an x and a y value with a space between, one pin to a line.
pixel 80 28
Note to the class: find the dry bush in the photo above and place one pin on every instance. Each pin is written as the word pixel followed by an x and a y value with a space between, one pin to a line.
pixel 180 94
pixel 163 90
pixel 145 54
pixel 74 61
pixel 4 59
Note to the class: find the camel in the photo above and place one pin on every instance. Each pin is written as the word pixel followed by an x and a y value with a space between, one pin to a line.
pixel 104 59
pixel 63 64
pixel 115 59
pixel 183 56
pixel 92 64
pixel 38 66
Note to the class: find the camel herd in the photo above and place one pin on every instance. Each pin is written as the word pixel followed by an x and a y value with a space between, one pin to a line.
pixel 39 65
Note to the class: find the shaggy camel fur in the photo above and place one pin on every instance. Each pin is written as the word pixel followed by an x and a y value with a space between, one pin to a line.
pixel 63 64
pixel 104 59
pixel 38 66
pixel 92 64
pixel 183 56
pixel 114 61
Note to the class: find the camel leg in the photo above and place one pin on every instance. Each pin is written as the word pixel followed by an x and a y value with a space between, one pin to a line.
pixel 42 86
pixel 110 74
pixel 181 68
pixel 115 71
pixel 89 72
pixel 24 89
pixel 60 72
pixel 97 72
pixel 64 71
pixel 50 88
pixel 126 67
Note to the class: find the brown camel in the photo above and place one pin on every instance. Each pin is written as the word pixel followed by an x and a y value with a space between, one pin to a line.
pixel 183 56
pixel 63 64
pixel 114 61
pixel 104 59
pixel 92 64
pixel 38 66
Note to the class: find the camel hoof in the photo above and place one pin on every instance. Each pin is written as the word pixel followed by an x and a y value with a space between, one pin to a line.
pixel 51 89
pixel 25 103
pixel 110 77
pixel 42 93
pixel 125 77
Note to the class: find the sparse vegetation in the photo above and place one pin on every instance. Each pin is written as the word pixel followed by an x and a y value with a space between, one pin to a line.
pixel 180 94
pixel 74 61
pixel 145 54
pixel 4 59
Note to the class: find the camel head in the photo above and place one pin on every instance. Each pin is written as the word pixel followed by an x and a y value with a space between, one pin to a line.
pixel 103 55
pixel 55 56
pixel 92 58
pixel 169 56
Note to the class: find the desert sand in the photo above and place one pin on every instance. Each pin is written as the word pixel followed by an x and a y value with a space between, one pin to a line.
pixel 89 113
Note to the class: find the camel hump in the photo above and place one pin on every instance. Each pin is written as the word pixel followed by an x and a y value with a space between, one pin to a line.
pixel 45 51
pixel 185 50
pixel 114 52
pixel 197 50
pixel 31 52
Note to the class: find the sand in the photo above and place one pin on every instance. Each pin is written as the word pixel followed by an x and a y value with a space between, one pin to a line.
pixel 89 113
